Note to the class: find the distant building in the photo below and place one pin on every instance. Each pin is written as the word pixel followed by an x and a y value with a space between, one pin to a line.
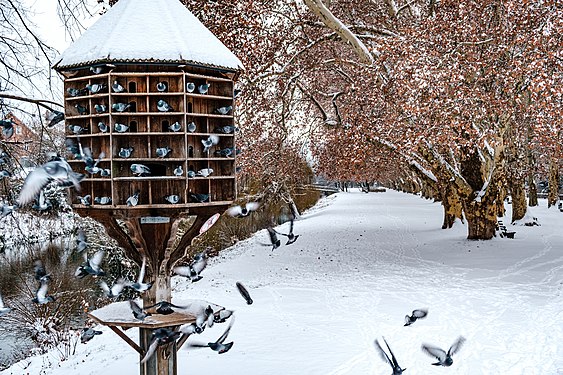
pixel 23 140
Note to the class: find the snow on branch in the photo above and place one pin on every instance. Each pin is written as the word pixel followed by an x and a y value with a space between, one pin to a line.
pixel 423 170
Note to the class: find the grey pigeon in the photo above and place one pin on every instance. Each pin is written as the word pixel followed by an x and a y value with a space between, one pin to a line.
pixel 140 169
pixel 191 173
pixel 397 370
pixel 85 200
pixel 190 87
pixel 91 266
pixel 164 308
pixel 81 241
pixel 274 241
pixel 162 87
pixel 175 127
pixel 88 334
pixel 444 359
pixel 416 314
pixel 77 129
pixel 3 309
pixel 103 127
pixel 96 88
pixel 40 272
pixel 226 152
pixel 222 315
pixel 194 269
pixel 102 200
pixel 73 92
pixel 202 89
pixel 88 159
pixel 125 152
pixel 117 88
pixel 115 290
pixel 54 117
pixel 227 129
pixel 163 106
pixel 178 171
pixel 205 172
pixel 133 200
pixel 41 296
pixel 120 107
pixel 224 110
pixel 244 293
pixel 209 142
pixel 5 210
pixel 106 172
pixel 138 312
pixel 239 211
pixel 162 152
pixel 140 286
pixel 172 198
pixel 120 128
pixel 100 108
pixel 160 336
pixel 198 197
pixel 219 346
pixel 81 109
pixel 291 238
pixel 191 127
pixel 97 69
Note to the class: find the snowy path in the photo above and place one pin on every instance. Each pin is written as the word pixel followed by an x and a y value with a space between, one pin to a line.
pixel 362 262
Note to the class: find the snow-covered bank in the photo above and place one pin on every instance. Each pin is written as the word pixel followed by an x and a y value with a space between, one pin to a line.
pixel 362 262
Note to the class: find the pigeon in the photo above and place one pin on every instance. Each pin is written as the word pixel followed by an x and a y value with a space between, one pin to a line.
pixel 138 312
pixel 218 345
pixel 102 200
pixel 106 172
pixel 7 128
pixel 202 89
pixel 140 169
pixel 191 173
pixel 397 370
pixel 164 308
pixel 190 87
pixel 100 108
pixel 57 170
pixel 194 269
pixel 81 109
pixel 133 200
pixel 175 127
pixel 227 129
pixel 117 88
pixel 205 172
pixel 172 198
pixel 444 359
pixel 103 127
pixel 244 293
pixel 188 329
pixel 178 171
pixel 97 69
pixel 40 272
pixel 4 174
pixel 160 336
pixel 41 296
pixel 40 203
pixel 81 241
pixel 71 91
pixel 226 152
pixel 88 334
pixel 291 238
pixel 224 110
pixel 209 142
pixel 239 211
pixel 85 200
pixel 236 93
pixel 162 87
pixel 72 148
pixel 88 159
pixel 416 314
pixel 54 117
pixel 120 128
pixel 191 127
pixel 3 309
pixel 91 266
pixel 115 290
pixel 77 129
pixel 5 210
pixel 162 152
pixel 163 106
pixel 140 286
pixel 125 152
pixel 222 316
pixel 198 197
pixel 275 242
pixel 120 107
pixel 96 88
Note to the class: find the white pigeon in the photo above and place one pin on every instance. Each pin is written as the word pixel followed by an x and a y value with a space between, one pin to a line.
pixel 239 211
pixel 140 286
pixel 205 172
pixel 209 142
pixel 115 290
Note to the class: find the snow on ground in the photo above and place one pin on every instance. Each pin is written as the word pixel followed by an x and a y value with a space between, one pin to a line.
pixel 362 262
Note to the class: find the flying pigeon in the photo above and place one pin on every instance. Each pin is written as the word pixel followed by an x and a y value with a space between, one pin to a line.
pixel 54 117
pixel 88 334
pixel 77 129
pixel 57 170
pixel 133 200
pixel 103 127
pixel 120 128
pixel 96 88
pixel 222 315
pixel 140 169
pixel 416 314
pixel 160 336
pixel 291 238
pixel 209 142
pixel 100 108
pixel 115 290
pixel 162 152
pixel 444 359
pixel 163 106
pixel 102 200
pixel 172 198
pixel 138 312
pixel 3 309
pixel 178 171
pixel 41 204
pixel 244 293
pixel 224 110
pixel 397 370
pixel 162 87
pixel 191 127
pixel 81 241
pixel 91 266
pixel 41 296
pixel 218 345
pixel 85 200
pixel 164 308
pixel 239 211
pixel 275 242
pixel 175 127
pixel 205 172
pixel 125 152
pixel 202 89
pixel 190 87
pixel 194 269
pixel 120 107
pixel 81 109
pixel 198 197
pixel 116 87
pixel 88 159
pixel 140 286
pixel 40 272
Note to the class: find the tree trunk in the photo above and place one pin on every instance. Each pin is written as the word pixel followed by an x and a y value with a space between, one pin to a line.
pixel 532 191
pixel 553 195
pixel 518 200
pixel 453 208
pixel 481 220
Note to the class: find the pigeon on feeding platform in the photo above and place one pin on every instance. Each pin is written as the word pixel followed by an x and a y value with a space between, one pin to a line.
pixel 194 269
pixel 103 127
pixel 100 108
pixel 125 152
pixel 244 293
pixel 102 200
pixel 163 106
pixel 224 110
pixel 397 370
pixel 190 87
pixel 162 152
pixel 85 200
pixel 120 107
pixel 291 238
pixel 133 200
pixel 91 266
pixel 218 345
pixel 117 88
pixel 77 129
pixel 191 127
pixel 444 359
pixel 88 334
pixel 160 336
pixel 226 152
pixel 274 241
pixel 140 286
pixel 140 169
pixel 175 127
pixel 164 308
pixel 138 312
pixel 106 172
pixel 205 172
pixel 172 198
pixel 239 211
pixel 120 128
pixel 416 314
pixel 41 296
pixel 97 69
pixel 96 88
pixel 40 272
pixel 81 241
pixel 115 290
pixel 209 142
pixel 54 117
pixel 57 170
pixel 198 197
pixel 162 87
pixel 203 89
pixel 222 316
pixel 3 309
pixel 81 109
pixel 41 204
pixel 178 171
pixel 73 92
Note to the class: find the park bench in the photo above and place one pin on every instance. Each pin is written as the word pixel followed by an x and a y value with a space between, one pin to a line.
pixel 503 231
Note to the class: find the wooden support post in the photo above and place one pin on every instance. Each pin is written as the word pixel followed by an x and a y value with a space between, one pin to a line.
pixel 163 361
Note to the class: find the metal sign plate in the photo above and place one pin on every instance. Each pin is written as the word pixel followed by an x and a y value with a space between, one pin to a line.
pixel 155 220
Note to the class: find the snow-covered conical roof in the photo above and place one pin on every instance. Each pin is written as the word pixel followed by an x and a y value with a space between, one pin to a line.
pixel 148 31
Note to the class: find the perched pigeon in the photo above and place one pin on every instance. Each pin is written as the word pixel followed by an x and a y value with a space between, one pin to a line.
pixel 120 128
pixel 218 345
pixel 164 308
pixel 140 169
pixel 244 293
pixel 115 290
pixel 71 91
pixel 57 170
pixel 205 172
pixel 397 370
pixel 138 312
pixel 239 211
pixel 140 286
pixel 198 197
pixel 227 129
pixel 222 315
pixel 162 152
pixel 97 69
pixel 88 334
pixel 117 88
pixel 120 107
pixel 162 87
pixel 209 142
pixel 5 210
pixel 85 200
pixel 103 127
pixel 160 336
pixel 81 109
pixel 172 198
pixel 133 200
pixel 444 359
pixel 54 117
pixel 100 108
pixel 224 110
pixel 194 269
pixel 178 171
pixel 226 152
pixel 106 172
pixel 202 89
pixel 175 127
pixel 3 309
pixel 125 152
pixel 88 159
pixel 191 173
pixel 77 129
pixel 163 106
pixel 91 266
pixel 190 87
pixel 291 238
pixel 416 314
pixel 4 174
pixel 191 127
pixel 96 88
pixel 102 200
pixel 81 241
pixel 41 296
